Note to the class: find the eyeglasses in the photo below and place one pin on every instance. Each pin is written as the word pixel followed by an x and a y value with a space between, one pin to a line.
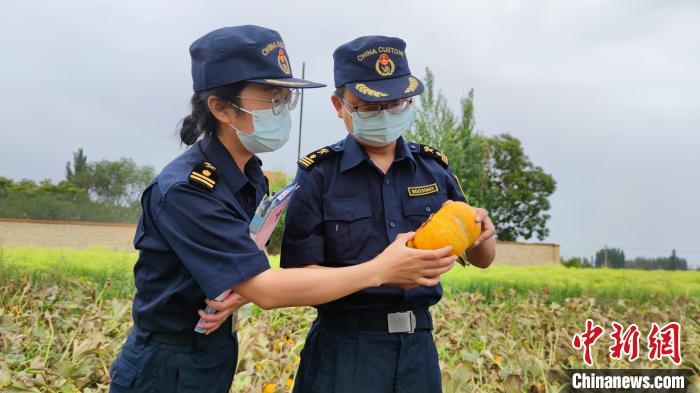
pixel 396 107
pixel 281 97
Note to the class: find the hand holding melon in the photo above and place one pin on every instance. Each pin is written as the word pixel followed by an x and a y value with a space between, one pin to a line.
pixel 453 225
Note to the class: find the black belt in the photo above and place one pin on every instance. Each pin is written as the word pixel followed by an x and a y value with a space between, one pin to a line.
pixel 187 337
pixel 181 338
pixel 399 322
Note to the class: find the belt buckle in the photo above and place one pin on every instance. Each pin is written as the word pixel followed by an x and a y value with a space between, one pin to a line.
pixel 402 322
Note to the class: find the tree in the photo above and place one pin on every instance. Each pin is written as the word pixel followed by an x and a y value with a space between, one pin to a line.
pixel 515 191
pixel 671 263
pixel 610 257
pixel 119 182
pixel 5 184
pixel 495 173
pixel 80 174
pixel 436 125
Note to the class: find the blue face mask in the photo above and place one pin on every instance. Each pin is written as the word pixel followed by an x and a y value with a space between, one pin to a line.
pixel 382 129
pixel 270 131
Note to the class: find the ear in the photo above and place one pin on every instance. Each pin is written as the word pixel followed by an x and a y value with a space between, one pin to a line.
pixel 222 112
pixel 337 105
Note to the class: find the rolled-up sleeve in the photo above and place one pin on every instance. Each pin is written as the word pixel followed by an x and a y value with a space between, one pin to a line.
pixel 210 239
pixel 303 240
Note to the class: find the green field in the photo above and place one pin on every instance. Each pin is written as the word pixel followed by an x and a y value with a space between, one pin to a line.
pixel 97 265
pixel 64 315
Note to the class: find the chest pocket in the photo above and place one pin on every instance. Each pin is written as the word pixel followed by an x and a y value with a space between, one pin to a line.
pixel 344 221
pixel 417 209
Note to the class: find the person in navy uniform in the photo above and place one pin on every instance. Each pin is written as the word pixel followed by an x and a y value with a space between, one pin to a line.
pixel 193 238
pixel 356 196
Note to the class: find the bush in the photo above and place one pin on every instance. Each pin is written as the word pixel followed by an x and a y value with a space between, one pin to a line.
pixel 63 201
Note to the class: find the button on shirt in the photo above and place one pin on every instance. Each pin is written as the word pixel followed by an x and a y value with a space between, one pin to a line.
pixel 194 243
pixel 347 211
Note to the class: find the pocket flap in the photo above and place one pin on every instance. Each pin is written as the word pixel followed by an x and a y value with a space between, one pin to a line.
pixel 121 374
pixel 346 209
pixel 423 206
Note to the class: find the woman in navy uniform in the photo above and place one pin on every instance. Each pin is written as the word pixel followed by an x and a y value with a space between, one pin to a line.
pixel 355 197
pixel 193 236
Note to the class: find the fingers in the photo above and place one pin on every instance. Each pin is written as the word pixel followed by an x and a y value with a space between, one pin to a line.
pixel 481 214
pixel 428 282
pixel 487 232
pixel 443 252
pixel 403 238
pixel 217 305
pixel 446 202
pixel 439 270
pixel 211 322
pixel 218 317
pixel 209 327
pixel 433 254
pixel 440 263
pixel 233 300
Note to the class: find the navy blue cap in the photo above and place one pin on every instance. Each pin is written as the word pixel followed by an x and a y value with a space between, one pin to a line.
pixel 375 68
pixel 242 53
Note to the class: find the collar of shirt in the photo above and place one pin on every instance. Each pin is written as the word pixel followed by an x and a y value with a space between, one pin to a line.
pixel 354 153
pixel 216 153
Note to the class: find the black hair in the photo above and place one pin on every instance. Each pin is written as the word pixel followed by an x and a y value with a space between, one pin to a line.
pixel 339 92
pixel 201 121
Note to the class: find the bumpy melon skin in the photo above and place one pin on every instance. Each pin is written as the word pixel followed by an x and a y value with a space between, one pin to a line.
pixel 453 225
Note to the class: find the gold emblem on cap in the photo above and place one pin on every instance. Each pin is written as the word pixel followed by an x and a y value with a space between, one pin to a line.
pixel 384 65
pixel 412 85
pixel 362 88
pixel 282 61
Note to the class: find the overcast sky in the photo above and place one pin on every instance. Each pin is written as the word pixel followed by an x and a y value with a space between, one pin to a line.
pixel 604 95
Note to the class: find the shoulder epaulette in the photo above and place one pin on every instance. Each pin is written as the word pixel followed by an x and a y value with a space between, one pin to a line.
pixel 311 159
pixel 204 175
pixel 435 153
pixel 428 151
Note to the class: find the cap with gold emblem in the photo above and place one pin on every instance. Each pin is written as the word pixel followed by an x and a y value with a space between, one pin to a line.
pixel 242 53
pixel 375 68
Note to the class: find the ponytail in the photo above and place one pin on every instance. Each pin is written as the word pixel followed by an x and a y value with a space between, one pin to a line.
pixel 201 122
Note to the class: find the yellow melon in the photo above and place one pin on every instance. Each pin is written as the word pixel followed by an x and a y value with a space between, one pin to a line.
pixel 453 225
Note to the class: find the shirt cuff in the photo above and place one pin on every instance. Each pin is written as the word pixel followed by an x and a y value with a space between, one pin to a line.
pixel 257 265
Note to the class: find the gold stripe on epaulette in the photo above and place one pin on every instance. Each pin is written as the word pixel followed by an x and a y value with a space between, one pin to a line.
pixel 202 179
pixel 306 161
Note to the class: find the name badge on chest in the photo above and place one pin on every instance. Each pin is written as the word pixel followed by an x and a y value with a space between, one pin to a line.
pixel 416 191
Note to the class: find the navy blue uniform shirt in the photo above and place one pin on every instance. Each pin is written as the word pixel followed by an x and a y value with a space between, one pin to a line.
pixel 347 211
pixel 193 237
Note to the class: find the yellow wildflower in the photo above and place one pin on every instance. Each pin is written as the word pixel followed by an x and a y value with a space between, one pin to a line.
pixel 269 388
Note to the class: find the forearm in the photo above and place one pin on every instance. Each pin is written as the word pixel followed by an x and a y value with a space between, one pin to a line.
pixel 405 284
pixel 483 255
pixel 307 287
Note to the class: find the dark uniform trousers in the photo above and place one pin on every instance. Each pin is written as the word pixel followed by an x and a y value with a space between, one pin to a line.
pixel 152 363
pixel 340 359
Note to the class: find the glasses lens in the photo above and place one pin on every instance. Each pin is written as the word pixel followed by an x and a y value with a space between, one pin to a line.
pixel 398 107
pixel 278 99
pixel 293 98
pixel 366 111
